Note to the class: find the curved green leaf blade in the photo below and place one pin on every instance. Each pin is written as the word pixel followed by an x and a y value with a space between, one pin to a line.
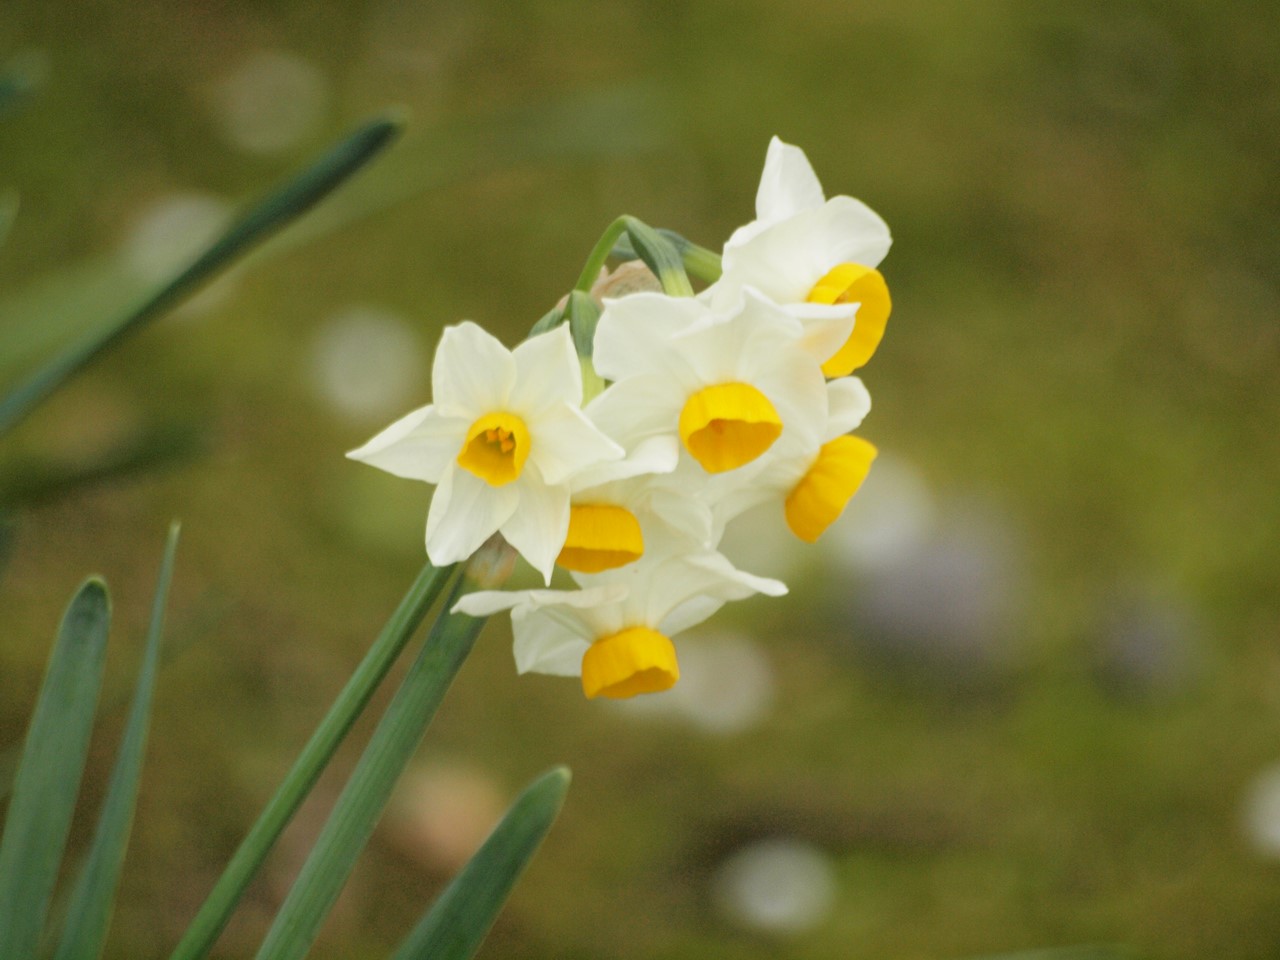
pixel 458 922
pixel 48 778
pixel 290 201
pixel 311 762
pixel 358 808
pixel 89 913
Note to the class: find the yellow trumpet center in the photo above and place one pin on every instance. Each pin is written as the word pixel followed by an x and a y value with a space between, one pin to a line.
pixel 728 425
pixel 601 536
pixel 824 491
pixel 854 283
pixel 636 660
pixel 496 448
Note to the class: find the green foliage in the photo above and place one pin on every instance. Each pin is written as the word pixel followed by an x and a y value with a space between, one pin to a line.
pixel 48 777
pixel 359 807
pixel 457 924
pixel 311 762
pixel 89 913
pixel 294 198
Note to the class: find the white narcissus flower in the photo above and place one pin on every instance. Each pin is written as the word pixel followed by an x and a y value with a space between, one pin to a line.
pixel 616 634
pixel 503 439
pixel 814 484
pixel 728 382
pixel 803 248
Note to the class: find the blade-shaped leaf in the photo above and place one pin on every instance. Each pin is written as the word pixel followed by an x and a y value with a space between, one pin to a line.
pixel 362 800
pixel 48 778
pixel 306 770
pixel 89 912
pixel 290 201
pixel 457 923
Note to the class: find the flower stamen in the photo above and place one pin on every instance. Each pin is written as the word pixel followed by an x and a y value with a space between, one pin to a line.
pixel 496 448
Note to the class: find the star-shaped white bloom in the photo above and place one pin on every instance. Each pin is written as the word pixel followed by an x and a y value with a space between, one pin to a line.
pixel 803 248
pixel 617 632
pixel 503 440
pixel 728 382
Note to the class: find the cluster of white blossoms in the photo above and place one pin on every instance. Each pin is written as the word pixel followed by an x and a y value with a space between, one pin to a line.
pixel 713 404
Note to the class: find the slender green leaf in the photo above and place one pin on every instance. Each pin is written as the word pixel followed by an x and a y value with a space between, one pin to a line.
pixel 315 756
pixel 89 913
pixel 457 923
pixel 48 778
pixel 290 201
pixel 366 793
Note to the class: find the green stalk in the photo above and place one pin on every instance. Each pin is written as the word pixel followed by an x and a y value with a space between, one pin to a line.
pixel 699 261
pixel 360 806
pixel 315 756
pixel 658 252
pixel 290 201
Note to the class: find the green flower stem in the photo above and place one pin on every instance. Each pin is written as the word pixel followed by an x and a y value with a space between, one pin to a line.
pixel 658 252
pixel 315 756
pixel 698 261
pixel 600 255
pixel 366 794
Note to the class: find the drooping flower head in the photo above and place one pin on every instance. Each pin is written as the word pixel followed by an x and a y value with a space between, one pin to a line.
pixel 616 633
pixel 502 441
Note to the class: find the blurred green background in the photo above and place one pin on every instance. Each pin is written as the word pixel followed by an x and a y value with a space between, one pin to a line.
pixel 1027 694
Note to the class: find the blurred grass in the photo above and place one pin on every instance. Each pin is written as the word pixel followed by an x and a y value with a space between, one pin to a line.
pixel 1084 204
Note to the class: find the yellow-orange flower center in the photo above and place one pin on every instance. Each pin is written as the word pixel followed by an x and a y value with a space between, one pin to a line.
pixel 602 536
pixel 496 448
pixel 854 283
pixel 728 425
pixel 826 489
pixel 635 660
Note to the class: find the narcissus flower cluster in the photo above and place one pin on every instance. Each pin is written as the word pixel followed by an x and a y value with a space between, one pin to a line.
pixel 693 409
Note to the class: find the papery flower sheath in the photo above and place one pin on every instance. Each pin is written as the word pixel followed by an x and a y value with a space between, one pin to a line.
pixel 804 248
pixel 617 633
pixel 502 440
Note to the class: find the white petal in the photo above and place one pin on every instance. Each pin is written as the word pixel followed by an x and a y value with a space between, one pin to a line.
pixel 539 524
pixel 788 184
pixel 419 446
pixel 563 441
pixel 848 402
pixel 826 327
pixel 549 641
pixel 634 334
pixel 547 372
pixel 484 603
pixel 651 455
pixel 637 408
pixel 473 372
pixel 785 260
pixel 465 512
